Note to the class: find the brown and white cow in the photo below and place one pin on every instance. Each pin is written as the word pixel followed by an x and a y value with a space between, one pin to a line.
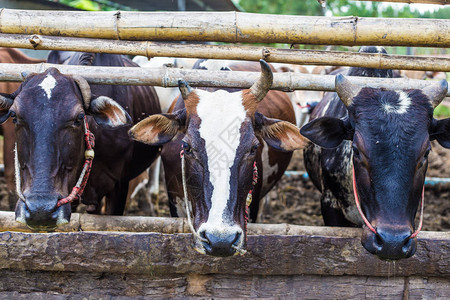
pixel 223 135
pixel 52 113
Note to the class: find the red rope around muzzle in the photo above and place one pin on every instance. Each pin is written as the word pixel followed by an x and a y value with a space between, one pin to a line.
pixel 371 228
pixel 78 189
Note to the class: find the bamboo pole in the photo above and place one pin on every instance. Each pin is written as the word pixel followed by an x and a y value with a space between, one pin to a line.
pixel 229 27
pixel 168 77
pixel 442 2
pixel 291 56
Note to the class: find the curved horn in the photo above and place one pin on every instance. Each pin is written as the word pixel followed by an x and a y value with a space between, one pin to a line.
pixel 85 89
pixel 436 92
pixel 260 88
pixel 185 89
pixel 345 89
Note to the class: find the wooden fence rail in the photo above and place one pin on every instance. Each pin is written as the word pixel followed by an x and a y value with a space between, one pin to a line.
pixel 291 56
pixel 231 27
pixel 169 77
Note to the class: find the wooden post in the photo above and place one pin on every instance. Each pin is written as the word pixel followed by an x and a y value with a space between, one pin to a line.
pixel 169 77
pixel 231 52
pixel 231 27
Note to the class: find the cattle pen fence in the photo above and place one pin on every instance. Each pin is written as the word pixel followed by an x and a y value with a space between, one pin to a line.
pixel 95 256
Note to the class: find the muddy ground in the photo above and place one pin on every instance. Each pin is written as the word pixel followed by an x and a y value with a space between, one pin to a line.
pixel 295 200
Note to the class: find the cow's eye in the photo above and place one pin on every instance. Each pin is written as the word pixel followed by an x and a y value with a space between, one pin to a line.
pixel 355 151
pixel 186 147
pixel 253 149
pixel 79 119
pixel 13 116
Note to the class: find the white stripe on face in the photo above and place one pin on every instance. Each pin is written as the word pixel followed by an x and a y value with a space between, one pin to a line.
pixel 403 105
pixel 221 115
pixel 47 85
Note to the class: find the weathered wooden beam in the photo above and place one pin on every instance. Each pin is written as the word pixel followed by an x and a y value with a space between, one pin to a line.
pixel 168 77
pixel 270 54
pixel 231 27
pixel 161 254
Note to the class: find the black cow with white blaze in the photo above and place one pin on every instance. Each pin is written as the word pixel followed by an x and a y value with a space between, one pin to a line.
pixel 377 141
pixel 56 117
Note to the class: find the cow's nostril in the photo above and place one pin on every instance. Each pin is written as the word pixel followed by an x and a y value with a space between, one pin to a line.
pixel 378 240
pixel 237 239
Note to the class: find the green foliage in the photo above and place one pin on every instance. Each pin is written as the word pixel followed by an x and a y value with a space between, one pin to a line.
pixel 442 111
pixel 339 8
pixel 283 7
pixel 82 4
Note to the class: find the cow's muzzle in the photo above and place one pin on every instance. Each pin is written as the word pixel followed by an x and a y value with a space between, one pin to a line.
pixel 220 243
pixel 39 212
pixel 391 243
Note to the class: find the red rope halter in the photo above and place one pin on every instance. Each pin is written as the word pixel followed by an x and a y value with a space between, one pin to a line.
pixel 358 205
pixel 78 189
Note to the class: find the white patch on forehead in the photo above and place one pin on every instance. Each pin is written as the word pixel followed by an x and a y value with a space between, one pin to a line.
pixel 48 84
pixel 221 115
pixel 215 64
pixel 380 49
pixel 404 102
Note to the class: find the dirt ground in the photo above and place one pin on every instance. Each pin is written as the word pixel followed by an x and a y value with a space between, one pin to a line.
pixel 295 200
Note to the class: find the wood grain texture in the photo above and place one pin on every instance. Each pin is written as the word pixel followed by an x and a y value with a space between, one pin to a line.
pixel 168 77
pixel 191 50
pixel 232 27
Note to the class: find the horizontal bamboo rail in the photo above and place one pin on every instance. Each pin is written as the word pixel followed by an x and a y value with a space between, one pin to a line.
pixel 270 54
pixel 231 27
pixel 442 2
pixel 168 77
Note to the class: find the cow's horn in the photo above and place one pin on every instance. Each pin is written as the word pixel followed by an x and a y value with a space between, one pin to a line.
pixel 84 88
pixel 345 89
pixel 260 88
pixel 185 89
pixel 436 92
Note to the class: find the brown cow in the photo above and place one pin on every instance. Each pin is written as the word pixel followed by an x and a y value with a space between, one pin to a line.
pixel 226 140
pixel 10 55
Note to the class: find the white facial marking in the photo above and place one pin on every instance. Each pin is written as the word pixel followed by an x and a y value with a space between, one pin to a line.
pixel 221 115
pixel 402 107
pixel 215 64
pixel 48 84
pixel 380 49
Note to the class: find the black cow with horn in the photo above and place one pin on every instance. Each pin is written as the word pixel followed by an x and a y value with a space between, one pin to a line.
pixel 371 158
pixel 56 118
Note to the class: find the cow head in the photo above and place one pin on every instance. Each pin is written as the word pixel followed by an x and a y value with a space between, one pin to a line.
pixel 49 111
pixel 391 133
pixel 220 144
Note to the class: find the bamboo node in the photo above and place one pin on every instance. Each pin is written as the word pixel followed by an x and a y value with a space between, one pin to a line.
pixel 265 53
pixel 35 40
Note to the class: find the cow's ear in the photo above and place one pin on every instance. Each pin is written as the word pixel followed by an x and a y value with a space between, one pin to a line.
pixel 440 131
pixel 108 113
pixel 5 104
pixel 159 129
pixel 327 132
pixel 280 135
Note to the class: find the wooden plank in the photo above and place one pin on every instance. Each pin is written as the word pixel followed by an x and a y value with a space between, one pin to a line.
pixel 232 27
pixel 156 253
pixel 56 285
pixel 168 77
pixel 230 52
